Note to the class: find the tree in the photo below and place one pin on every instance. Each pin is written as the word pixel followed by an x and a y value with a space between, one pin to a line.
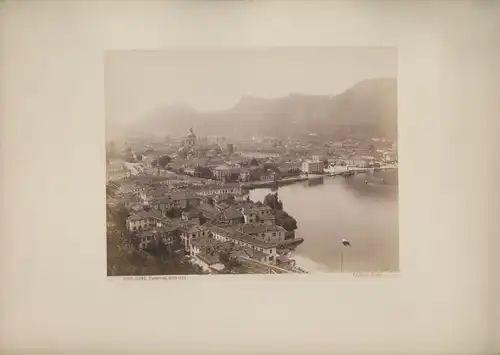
pixel 284 220
pixel 111 190
pixel 224 257
pixel 202 218
pixel 289 223
pixel 182 153
pixel 272 201
pixel 120 215
pixel 109 213
pixel 164 160
pixel 173 213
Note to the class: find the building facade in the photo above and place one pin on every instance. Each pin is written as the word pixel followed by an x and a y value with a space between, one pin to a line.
pixel 142 220
pixel 222 189
pixel 190 139
pixel 268 234
pixel 241 239
pixel 312 167
pixel 225 172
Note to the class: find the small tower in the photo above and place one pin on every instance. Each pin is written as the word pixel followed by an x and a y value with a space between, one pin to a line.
pixel 190 140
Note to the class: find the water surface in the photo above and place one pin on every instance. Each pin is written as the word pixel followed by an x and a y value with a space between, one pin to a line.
pixel 362 209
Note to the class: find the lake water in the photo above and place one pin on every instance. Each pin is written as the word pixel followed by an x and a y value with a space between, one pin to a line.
pixel 362 209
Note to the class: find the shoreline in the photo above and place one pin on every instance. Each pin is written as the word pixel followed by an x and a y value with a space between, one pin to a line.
pixel 312 177
pixel 309 265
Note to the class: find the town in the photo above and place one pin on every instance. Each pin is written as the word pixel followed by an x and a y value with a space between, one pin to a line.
pixel 181 205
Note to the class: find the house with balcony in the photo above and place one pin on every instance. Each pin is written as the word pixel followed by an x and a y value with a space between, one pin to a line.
pixel 193 232
pixel 142 220
pixel 258 215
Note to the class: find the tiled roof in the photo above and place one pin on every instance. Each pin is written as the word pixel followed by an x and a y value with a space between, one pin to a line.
pixel 160 191
pixel 205 242
pixel 134 218
pixel 166 228
pixel 267 217
pixel 232 233
pixel 206 207
pixel 191 213
pixel 232 213
pixel 207 187
pixel 255 209
pixel 142 214
pixel 251 229
pixel 178 195
pixel 196 228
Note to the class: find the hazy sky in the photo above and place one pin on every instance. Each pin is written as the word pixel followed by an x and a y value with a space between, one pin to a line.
pixel 138 82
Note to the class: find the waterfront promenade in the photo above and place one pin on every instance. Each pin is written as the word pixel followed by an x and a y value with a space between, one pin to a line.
pixel 337 171
pixel 284 181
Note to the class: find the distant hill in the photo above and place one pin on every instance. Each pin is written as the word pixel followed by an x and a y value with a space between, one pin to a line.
pixel 368 109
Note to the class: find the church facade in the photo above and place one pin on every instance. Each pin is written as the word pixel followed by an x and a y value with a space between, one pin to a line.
pixel 191 139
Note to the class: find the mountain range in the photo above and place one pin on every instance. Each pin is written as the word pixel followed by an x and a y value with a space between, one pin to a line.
pixel 368 109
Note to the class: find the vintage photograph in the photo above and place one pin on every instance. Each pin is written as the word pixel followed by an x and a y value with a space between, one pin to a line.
pixel 251 161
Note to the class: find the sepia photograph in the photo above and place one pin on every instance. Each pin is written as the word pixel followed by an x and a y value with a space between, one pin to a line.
pixel 223 177
pixel 252 161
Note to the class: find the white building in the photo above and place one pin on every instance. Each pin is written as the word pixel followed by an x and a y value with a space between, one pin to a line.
pixel 390 157
pixel 258 215
pixel 142 220
pixel 223 189
pixel 268 234
pixel 290 168
pixel 224 172
pixel 193 233
pixel 312 167
pixel 321 157
pixel 242 239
